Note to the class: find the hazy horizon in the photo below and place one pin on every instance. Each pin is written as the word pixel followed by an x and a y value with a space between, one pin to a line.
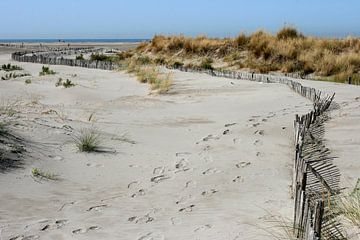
pixel 141 19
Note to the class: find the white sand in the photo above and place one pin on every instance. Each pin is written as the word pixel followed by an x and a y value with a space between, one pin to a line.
pixel 211 185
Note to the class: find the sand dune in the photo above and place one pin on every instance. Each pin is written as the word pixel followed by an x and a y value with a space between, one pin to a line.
pixel 210 160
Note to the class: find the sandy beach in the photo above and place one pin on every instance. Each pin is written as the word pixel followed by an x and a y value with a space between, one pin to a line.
pixel 212 159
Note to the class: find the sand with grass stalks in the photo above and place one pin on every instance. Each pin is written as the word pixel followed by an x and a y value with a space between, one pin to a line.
pixel 210 159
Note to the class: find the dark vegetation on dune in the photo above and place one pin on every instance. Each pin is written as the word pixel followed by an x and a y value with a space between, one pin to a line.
pixel 11 149
pixel 288 51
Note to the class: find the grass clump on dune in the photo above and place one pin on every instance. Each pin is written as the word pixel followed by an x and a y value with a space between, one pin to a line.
pixel 349 206
pixel 288 51
pixel 42 174
pixel 88 140
pixel 66 84
pixel 8 67
pixel 142 67
pixel 46 71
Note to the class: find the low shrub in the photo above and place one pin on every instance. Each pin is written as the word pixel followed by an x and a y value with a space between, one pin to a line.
pixel 46 71
pixel 8 67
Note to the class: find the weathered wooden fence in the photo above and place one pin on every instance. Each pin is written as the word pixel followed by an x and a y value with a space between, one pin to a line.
pixel 44 58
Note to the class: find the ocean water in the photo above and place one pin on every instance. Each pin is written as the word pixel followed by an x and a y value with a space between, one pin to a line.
pixel 73 40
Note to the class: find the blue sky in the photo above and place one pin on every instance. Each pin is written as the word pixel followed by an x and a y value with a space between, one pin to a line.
pixel 144 18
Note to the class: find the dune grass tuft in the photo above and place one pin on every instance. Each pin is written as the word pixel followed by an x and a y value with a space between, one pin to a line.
pixel 349 206
pixel 8 67
pixel 88 140
pixel 66 84
pixel 42 174
pixel 46 71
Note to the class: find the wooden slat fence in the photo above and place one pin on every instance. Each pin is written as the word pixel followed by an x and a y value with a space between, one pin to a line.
pixel 54 59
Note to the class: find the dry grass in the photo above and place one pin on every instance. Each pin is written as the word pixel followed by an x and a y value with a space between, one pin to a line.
pixel 287 51
pixel 142 67
pixel 42 174
pixel 349 206
pixel 88 140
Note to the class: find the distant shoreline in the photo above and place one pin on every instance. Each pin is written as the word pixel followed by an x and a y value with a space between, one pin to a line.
pixel 77 40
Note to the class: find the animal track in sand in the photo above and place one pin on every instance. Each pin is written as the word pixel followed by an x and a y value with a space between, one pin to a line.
pixel 211 171
pixel 187 209
pixel 242 164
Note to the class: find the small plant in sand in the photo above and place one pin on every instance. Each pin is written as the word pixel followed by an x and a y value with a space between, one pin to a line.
pixel 27 81
pixel 14 75
pixel 100 57
pixel 65 84
pixel 46 71
pixel 80 57
pixel 88 140
pixel 37 173
pixel 3 129
pixel 349 206
pixel 206 64
pixel 8 67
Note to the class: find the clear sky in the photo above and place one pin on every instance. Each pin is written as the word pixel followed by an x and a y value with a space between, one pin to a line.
pixel 144 18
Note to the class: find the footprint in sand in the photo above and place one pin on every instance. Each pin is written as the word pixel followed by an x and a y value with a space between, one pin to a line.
pixel 131 184
pixel 190 184
pixel 226 132
pixel 175 221
pixel 159 170
pixel 259 132
pixel 238 179
pixel 85 230
pixel 182 166
pixel 229 124
pixel 257 142
pixel 185 199
pixel 159 178
pixel 209 192
pixel 152 236
pixel 22 237
pixel 211 171
pixel 60 223
pixel 203 228
pixel 144 219
pixel 97 208
pixel 187 209
pixel 140 192
pixel 242 164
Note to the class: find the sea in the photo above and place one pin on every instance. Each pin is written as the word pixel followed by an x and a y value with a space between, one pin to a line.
pixel 74 40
